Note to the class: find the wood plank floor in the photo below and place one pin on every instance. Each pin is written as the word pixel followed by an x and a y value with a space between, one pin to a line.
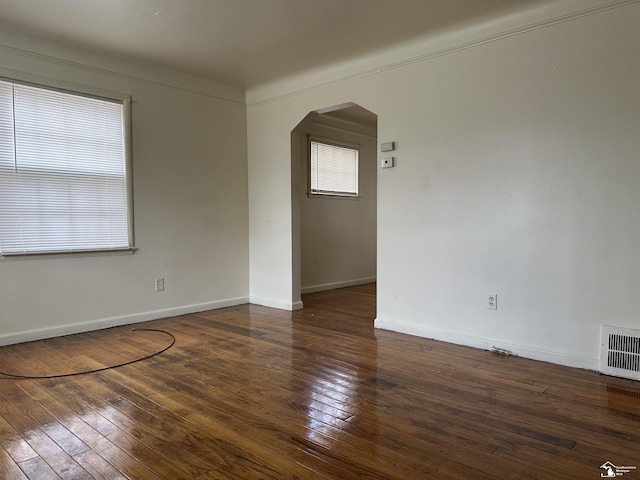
pixel 250 392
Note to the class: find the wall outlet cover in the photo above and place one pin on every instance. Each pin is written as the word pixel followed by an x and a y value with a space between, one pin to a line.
pixel 492 302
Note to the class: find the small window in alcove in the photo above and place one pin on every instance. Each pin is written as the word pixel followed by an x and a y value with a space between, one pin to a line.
pixel 333 169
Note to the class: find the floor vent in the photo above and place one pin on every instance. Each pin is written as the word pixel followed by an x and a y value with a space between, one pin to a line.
pixel 620 352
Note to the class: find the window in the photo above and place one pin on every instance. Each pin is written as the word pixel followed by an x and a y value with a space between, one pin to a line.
pixel 333 169
pixel 64 172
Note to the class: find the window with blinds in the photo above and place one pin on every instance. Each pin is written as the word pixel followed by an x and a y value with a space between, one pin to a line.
pixel 333 169
pixel 63 172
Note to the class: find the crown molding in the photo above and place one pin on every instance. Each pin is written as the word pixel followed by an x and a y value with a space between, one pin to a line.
pixel 32 50
pixel 293 86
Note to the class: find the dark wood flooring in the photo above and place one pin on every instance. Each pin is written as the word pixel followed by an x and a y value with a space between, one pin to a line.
pixel 250 392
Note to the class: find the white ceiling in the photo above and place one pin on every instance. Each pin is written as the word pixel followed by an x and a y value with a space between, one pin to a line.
pixel 243 42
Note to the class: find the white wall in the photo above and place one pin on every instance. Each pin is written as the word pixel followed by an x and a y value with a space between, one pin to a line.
pixel 517 174
pixel 272 279
pixel 190 201
pixel 337 234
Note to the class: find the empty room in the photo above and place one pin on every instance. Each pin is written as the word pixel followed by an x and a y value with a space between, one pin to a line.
pixel 319 239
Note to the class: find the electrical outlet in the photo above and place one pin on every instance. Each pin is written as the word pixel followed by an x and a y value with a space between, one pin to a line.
pixel 159 284
pixel 492 302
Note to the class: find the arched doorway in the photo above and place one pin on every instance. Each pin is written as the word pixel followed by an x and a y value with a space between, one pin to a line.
pixel 334 235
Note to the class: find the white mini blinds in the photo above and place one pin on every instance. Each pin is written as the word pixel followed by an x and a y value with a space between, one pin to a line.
pixel 333 170
pixel 63 172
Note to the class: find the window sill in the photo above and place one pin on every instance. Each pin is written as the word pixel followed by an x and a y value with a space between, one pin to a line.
pixel 332 195
pixel 87 253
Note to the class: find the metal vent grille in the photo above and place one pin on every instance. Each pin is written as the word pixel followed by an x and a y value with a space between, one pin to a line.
pixel 620 354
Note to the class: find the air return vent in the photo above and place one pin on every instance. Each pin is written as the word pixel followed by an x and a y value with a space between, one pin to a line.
pixel 620 352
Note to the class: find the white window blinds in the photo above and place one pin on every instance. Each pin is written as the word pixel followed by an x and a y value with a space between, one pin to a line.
pixel 334 169
pixel 63 181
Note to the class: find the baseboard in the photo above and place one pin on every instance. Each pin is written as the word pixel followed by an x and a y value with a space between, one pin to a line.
pixel 273 303
pixel 533 353
pixel 334 285
pixel 69 329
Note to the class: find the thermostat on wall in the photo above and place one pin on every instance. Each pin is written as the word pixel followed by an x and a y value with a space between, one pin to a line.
pixel 386 162
pixel 388 147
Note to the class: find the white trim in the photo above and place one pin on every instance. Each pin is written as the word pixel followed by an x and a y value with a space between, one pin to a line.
pixel 122 69
pixel 344 130
pixel 69 329
pixel 331 142
pixel 531 352
pixel 274 303
pixel 50 255
pixel 378 62
pixel 334 285
pixel 127 125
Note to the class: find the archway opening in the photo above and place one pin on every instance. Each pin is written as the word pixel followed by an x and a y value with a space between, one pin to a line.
pixel 334 234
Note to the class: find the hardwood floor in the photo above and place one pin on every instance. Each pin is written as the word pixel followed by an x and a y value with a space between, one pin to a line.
pixel 250 392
